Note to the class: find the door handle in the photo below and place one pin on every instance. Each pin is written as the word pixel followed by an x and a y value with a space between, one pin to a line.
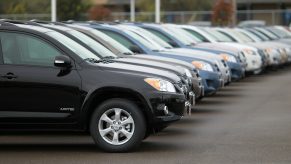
pixel 9 76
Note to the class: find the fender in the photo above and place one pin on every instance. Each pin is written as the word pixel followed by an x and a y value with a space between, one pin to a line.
pixel 88 105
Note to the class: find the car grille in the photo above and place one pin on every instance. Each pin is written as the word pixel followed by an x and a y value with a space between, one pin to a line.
pixel 263 55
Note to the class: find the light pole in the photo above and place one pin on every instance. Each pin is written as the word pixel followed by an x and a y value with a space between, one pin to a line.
pixel 234 17
pixel 158 11
pixel 132 10
pixel 53 10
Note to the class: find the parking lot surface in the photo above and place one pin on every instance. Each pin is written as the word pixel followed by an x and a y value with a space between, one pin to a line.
pixel 246 122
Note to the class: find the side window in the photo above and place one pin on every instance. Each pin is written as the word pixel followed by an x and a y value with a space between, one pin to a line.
pixel 27 50
pixel 160 35
pixel 121 39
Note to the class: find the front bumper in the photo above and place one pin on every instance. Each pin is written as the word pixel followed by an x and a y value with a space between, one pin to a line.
pixel 237 71
pixel 198 87
pixel 175 104
pixel 211 81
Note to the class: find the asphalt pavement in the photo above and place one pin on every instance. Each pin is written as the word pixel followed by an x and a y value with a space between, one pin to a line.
pixel 248 122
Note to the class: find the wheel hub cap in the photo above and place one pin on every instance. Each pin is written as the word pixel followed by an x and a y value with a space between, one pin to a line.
pixel 116 126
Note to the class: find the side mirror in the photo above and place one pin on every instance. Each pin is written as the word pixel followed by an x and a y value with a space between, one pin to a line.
pixel 173 43
pixel 62 61
pixel 135 49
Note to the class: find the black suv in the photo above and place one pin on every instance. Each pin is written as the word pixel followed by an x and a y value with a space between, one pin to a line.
pixel 50 82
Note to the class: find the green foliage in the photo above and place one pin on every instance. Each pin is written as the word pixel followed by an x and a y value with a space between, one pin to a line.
pixel 72 9
pixel 24 6
pixel 66 9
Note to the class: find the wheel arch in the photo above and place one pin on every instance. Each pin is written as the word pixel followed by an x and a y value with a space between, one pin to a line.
pixel 98 96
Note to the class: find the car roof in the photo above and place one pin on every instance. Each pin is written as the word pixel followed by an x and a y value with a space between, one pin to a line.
pixel 62 28
pixel 36 28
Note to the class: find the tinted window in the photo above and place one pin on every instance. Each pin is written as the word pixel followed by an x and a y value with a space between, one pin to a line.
pixel 27 50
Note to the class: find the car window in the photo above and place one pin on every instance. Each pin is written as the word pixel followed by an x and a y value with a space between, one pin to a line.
pixel 24 49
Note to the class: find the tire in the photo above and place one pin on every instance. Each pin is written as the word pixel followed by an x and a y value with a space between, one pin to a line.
pixel 103 130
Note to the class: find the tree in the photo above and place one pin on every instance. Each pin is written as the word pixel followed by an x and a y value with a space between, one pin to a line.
pixel 24 6
pixel 68 9
pixel 99 13
pixel 223 13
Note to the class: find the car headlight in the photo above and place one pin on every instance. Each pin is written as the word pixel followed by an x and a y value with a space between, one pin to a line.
pixel 161 85
pixel 269 50
pixel 249 52
pixel 228 58
pixel 188 73
pixel 202 66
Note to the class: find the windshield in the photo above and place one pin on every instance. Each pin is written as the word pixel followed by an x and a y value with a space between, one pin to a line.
pixel 153 37
pixel 282 33
pixel 150 37
pixel 263 37
pixel 144 42
pixel 72 45
pixel 251 35
pixel 269 34
pixel 112 42
pixel 190 34
pixel 180 35
pixel 97 47
pixel 219 37
pixel 244 38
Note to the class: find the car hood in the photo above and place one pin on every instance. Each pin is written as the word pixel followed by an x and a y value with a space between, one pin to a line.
pixel 240 46
pixel 198 54
pixel 165 59
pixel 152 64
pixel 218 46
pixel 137 70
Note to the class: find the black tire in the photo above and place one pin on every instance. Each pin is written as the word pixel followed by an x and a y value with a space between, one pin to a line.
pixel 135 113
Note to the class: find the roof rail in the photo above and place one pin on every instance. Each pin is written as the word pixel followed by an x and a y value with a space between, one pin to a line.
pixel 69 21
pixel 93 22
pixel 8 22
pixel 104 23
pixel 39 21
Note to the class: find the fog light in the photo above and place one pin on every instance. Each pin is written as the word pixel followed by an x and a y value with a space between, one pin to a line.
pixel 166 111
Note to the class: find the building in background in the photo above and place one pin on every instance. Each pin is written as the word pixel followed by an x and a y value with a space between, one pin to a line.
pixel 271 11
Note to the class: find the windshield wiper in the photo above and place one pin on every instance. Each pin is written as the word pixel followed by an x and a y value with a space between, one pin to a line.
pixel 93 60
pixel 127 53
pixel 109 57
pixel 156 50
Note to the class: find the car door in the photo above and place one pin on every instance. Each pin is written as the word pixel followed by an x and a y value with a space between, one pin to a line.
pixel 32 89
